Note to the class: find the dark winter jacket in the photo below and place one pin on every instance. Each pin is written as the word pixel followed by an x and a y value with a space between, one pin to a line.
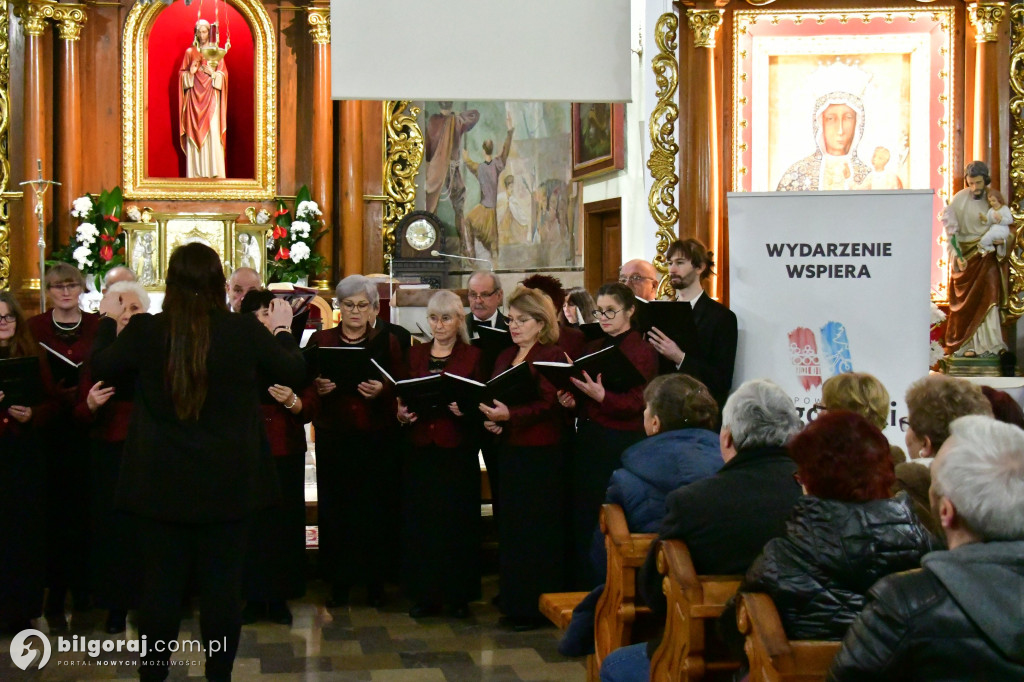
pixel 651 469
pixel 819 572
pixel 656 466
pixel 959 617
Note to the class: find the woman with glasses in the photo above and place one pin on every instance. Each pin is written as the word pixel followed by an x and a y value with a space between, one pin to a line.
pixel 441 475
pixel 609 422
pixel 356 492
pixel 107 411
pixel 933 402
pixel 68 333
pixel 276 563
pixel 22 552
pixel 531 537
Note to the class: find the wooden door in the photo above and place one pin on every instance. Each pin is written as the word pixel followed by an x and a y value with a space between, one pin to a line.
pixel 602 245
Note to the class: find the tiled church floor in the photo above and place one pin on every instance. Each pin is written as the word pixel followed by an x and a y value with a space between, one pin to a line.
pixel 353 643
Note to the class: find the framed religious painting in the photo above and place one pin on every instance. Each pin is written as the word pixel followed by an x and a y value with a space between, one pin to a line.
pixel 249 248
pixel 216 230
pixel 143 249
pixel 199 101
pixel 845 100
pixel 597 139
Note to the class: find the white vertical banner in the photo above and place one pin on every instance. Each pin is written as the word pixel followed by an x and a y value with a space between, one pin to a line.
pixel 831 282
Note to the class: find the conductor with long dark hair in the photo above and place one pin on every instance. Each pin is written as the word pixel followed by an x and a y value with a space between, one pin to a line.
pixel 194 471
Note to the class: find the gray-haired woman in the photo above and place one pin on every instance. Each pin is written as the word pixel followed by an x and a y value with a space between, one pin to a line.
pixel 356 492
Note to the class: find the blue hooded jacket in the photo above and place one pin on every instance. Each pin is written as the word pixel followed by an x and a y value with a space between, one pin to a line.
pixel 651 469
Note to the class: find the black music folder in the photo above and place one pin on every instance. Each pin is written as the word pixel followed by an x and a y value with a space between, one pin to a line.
pixel 592 330
pixel 617 373
pixel 20 382
pixel 346 366
pixel 514 386
pixel 420 395
pixel 672 318
pixel 63 368
pixel 491 339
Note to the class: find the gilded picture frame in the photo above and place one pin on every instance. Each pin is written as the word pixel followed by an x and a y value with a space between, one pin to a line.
pixel 135 180
pixel 790 67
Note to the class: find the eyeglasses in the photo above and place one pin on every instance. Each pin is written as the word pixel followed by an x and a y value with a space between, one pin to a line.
pixel 819 407
pixel 607 314
pixel 65 286
pixel 519 321
pixel 904 424
pixel 350 306
pixel 7 319
pixel 443 319
pixel 796 477
pixel 635 279
pixel 481 295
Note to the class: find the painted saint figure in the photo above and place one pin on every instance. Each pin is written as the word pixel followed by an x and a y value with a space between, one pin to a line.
pixel 444 174
pixel 202 99
pixel 482 219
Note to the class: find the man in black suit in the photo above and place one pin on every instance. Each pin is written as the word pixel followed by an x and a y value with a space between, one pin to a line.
pixel 713 358
pixel 485 295
pixel 726 519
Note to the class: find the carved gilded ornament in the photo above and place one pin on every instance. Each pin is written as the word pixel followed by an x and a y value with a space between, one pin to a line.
pixel 319 20
pixel 33 16
pixel 70 19
pixel 662 126
pixel 136 183
pixel 1013 306
pixel 403 154
pixel 704 23
pixel 5 163
pixel 986 18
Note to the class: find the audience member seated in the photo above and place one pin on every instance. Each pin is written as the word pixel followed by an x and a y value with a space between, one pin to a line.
pixel 933 402
pixel 726 519
pixel 1004 407
pixel 958 617
pixel 864 394
pixel 681 447
pixel 844 534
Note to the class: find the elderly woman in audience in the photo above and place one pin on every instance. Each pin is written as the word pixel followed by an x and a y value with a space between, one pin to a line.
pixel 864 394
pixel 933 402
pixel 441 474
pixel 276 566
pixel 681 421
pixel 531 539
pixel 609 421
pixel 21 485
pixel 107 410
pixel 844 534
pixel 356 491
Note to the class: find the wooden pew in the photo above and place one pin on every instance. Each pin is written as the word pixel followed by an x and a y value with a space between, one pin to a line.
pixel 773 657
pixel 557 607
pixel 694 603
pixel 617 611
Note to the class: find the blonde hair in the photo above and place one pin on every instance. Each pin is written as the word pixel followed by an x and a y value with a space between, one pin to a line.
pixel 445 302
pixel 858 392
pixel 539 306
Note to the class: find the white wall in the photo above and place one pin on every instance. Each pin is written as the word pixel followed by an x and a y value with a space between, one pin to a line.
pixel 634 183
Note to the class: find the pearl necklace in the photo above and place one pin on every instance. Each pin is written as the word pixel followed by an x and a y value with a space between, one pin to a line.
pixel 61 327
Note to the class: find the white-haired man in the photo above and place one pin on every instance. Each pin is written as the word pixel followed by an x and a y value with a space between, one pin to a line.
pixel 727 518
pixel 960 616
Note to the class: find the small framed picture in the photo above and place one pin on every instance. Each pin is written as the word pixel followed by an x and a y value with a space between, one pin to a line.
pixel 597 139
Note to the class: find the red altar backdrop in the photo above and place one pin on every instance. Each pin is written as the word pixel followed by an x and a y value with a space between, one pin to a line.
pixel 170 36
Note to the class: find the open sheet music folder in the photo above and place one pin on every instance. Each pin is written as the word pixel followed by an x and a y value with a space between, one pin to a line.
pixel 20 382
pixel 617 373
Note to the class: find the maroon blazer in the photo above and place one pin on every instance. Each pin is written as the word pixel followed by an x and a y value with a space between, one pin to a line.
pixel 284 429
pixel 43 332
pixel 442 428
pixel 343 410
pixel 623 411
pixel 539 422
pixel 110 422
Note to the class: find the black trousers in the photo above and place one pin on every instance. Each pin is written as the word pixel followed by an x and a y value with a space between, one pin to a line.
pixel 213 554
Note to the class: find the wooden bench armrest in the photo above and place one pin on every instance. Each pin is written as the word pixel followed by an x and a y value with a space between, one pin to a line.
pixel 629 545
pixel 757 618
